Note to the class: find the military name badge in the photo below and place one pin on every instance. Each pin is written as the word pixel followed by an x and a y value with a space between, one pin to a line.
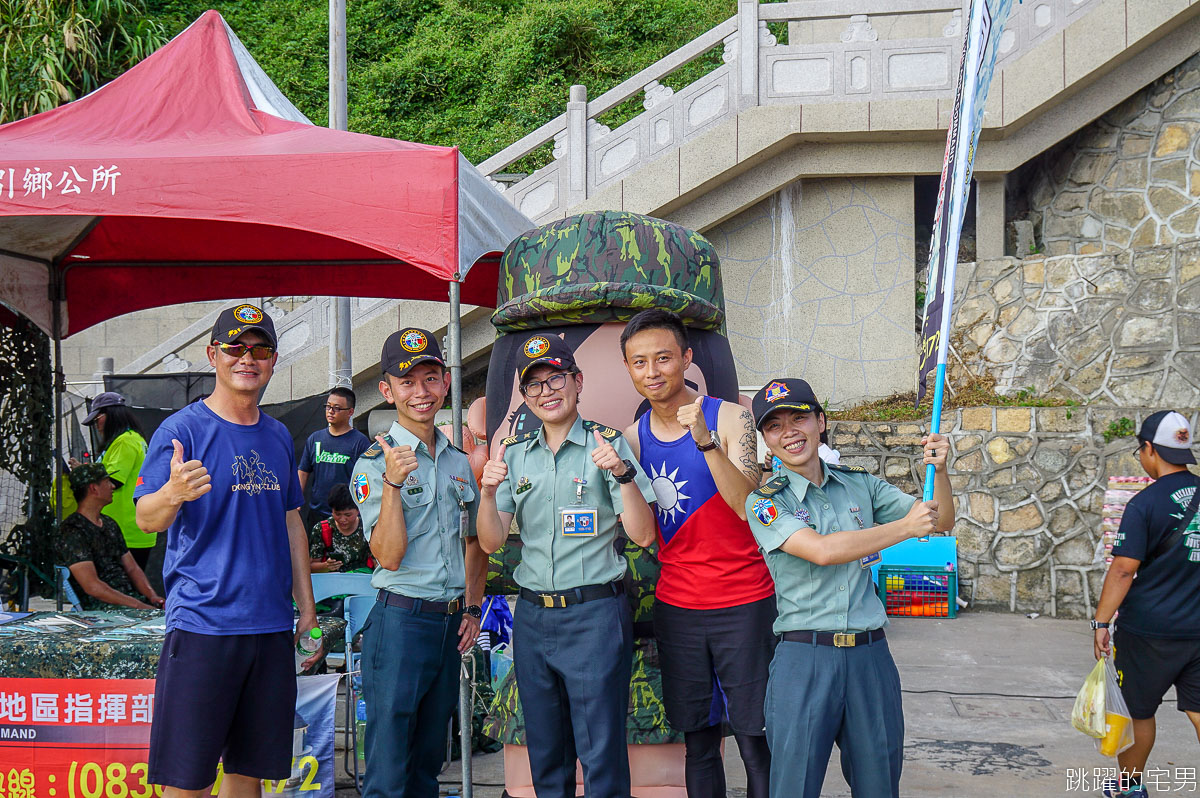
pixel 577 521
pixel 765 511
pixel 523 484
pixel 361 487
pixel 413 483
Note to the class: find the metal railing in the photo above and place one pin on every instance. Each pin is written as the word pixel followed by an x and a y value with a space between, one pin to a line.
pixel 838 57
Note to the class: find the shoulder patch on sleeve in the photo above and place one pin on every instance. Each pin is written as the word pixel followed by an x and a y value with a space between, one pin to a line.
pixel 850 468
pixel 605 432
pixel 524 436
pixel 772 487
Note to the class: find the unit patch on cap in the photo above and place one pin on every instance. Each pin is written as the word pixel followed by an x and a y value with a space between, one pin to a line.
pixel 362 488
pixel 536 347
pixel 248 314
pixel 776 391
pixel 765 511
pixel 414 341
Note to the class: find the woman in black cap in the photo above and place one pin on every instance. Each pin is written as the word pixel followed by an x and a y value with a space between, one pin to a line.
pixel 122 450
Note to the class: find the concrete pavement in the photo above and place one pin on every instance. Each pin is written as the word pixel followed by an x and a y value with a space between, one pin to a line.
pixel 987 707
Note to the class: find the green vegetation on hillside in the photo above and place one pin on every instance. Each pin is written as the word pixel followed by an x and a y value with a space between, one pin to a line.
pixel 55 51
pixel 979 392
pixel 476 73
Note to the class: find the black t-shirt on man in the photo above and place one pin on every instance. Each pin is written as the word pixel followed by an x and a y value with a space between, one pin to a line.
pixel 329 458
pixel 1164 599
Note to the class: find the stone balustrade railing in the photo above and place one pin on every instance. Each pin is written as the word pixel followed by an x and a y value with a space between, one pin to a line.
pixel 856 65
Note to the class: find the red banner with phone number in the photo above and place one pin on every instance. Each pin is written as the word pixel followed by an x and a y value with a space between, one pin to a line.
pixel 90 738
pixel 75 738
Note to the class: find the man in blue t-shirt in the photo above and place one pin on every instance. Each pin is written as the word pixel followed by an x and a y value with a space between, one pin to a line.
pixel 330 454
pixel 219 477
pixel 1157 640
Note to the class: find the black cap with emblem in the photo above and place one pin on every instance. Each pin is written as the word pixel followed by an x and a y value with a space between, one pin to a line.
pixel 407 348
pixel 548 349
pixel 792 394
pixel 240 319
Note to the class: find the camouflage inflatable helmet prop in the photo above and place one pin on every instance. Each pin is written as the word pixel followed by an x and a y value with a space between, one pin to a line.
pixel 608 266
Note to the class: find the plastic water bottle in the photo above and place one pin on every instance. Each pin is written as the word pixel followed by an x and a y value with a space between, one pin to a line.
pixel 307 646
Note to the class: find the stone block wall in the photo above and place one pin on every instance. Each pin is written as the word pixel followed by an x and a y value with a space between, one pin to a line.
pixel 1129 180
pixel 1120 329
pixel 1029 486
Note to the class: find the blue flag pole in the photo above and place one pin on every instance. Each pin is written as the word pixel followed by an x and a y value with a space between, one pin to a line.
pixel 979 60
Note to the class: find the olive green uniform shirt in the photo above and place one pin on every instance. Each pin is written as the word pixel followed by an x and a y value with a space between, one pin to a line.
pixel 435 496
pixel 541 483
pixel 823 598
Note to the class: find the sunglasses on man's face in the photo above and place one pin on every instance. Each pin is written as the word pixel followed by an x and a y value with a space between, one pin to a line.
pixel 257 351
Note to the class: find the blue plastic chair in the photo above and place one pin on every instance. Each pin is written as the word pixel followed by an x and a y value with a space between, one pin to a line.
pixel 326 585
pixel 355 611
pixel 64 584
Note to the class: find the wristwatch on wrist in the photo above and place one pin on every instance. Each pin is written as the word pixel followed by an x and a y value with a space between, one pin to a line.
pixel 713 442
pixel 474 610
pixel 630 472
pixel 1099 624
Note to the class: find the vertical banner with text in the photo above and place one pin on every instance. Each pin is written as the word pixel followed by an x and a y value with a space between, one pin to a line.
pixel 984 27
pixel 87 738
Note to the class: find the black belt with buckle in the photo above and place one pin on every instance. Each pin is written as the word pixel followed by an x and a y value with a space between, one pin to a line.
pixel 404 602
pixel 836 639
pixel 578 595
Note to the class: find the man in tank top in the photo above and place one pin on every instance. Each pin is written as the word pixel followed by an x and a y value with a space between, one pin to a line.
pixel 715 598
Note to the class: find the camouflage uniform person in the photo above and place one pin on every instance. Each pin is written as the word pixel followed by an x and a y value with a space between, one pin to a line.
pixel 103 570
pixel 572 633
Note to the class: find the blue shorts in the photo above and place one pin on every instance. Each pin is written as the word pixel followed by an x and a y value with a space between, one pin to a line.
pixel 222 697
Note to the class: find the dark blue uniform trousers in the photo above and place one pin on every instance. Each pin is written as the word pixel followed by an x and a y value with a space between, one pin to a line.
pixel 819 695
pixel 573 665
pixel 410 666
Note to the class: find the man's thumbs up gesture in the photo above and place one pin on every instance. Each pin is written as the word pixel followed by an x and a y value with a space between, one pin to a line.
pixel 400 461
pixel 605 456
pixel 691 416
pixel 189 480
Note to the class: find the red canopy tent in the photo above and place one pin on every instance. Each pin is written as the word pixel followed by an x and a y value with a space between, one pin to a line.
pixel 191 177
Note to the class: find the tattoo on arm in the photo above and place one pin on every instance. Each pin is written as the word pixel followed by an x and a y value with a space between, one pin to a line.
pixel 748 443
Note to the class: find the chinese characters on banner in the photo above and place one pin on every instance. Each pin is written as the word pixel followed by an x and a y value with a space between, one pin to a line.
pixel 40 183
pixel 75 738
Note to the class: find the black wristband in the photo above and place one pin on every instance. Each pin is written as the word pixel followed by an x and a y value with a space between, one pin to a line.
pixel 630 472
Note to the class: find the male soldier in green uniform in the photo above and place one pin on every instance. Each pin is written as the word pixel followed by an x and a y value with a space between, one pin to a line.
pixel 821 528
pixel 572 633
pixel 417 497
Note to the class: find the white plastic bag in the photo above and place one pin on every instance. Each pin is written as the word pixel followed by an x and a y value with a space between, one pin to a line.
pixel 1118 725
pixel 1088 714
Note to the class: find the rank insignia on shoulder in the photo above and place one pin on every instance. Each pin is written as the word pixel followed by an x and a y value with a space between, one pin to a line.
pixel 524 436
pixel 605 432
pixel 765 511
pixel 847 468
pixel 375 450
pixel 523 484
pixel 773 486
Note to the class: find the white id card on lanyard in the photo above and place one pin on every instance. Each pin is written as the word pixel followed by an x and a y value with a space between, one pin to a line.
pixel 577 521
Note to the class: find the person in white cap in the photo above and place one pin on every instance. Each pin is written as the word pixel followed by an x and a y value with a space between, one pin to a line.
pixel 1157 642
